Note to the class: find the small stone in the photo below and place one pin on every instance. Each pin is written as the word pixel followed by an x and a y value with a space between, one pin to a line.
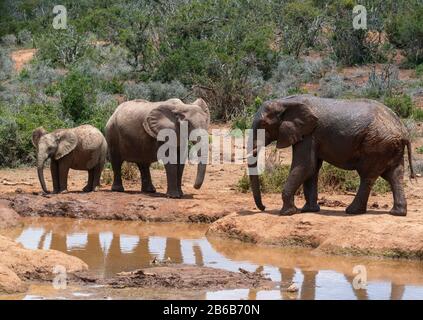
pixel 292 288
pixel 18 190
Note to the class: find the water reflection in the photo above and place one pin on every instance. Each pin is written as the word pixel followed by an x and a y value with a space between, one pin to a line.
pixel 111 247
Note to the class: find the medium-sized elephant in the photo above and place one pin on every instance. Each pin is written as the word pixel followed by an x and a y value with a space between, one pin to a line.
pixel 80 148
pixel 132 133
pixel 362 135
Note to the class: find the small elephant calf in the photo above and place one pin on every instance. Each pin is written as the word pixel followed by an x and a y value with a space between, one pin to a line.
pixel 80 148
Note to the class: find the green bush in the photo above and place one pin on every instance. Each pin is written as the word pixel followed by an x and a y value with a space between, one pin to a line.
pixel 331 179
pixel 402 105
pixel 114 86
pixel 62 47
pixel 77 93
pixel 419 70
pixel 16 131
pixel 301 22
pixel 405 30
pixel 349 46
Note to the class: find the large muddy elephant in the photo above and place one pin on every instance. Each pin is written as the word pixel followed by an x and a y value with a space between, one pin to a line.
pixel 131 134
pixel 362 135
pixel 80 148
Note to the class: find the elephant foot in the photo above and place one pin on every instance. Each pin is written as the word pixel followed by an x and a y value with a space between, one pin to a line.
pixel 118 188
pixel 353 209
pixel 63 191
pixel 87 189
pixel 310 208
pixel 400 212
pixel 288 211
pixel 174 194
pixel 149 189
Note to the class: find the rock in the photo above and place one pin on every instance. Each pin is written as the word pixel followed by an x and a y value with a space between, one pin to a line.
pixel 8 217
pixel 19 264
pixel 292 288
pixel 380 235
pixel 10 282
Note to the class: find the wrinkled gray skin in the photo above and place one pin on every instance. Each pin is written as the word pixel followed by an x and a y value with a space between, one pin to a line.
pixel 131 134
pixel 362 135
pixel 81 148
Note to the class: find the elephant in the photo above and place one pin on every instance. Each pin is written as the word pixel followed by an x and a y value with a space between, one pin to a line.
pixel 80 148
pixel 131 134
pixel 359 134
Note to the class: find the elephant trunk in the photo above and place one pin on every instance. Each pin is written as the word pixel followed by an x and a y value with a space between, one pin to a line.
pixel 41 159
pixel 253 174
pixel 201 173
pixel 255 188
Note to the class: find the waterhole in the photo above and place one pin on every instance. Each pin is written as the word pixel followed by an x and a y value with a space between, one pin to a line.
pixel 110 247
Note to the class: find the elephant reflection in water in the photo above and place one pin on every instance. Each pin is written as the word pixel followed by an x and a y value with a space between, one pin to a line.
pixel 308 286
pixel 114 261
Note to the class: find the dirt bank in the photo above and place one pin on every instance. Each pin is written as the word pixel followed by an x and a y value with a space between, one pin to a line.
pixel 19 265
pixel 8 217
pixel 330 231
pixel 186 277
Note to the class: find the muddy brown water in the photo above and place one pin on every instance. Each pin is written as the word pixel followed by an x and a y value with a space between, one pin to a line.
pixel 109 247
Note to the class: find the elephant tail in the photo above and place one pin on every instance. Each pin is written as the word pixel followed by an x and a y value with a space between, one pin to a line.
pixel 410 160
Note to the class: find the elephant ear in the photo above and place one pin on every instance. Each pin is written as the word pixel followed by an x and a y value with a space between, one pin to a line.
pixel 297 120
pixel 162 117
pixel 37 134
pixel 67 141
pixel 203 105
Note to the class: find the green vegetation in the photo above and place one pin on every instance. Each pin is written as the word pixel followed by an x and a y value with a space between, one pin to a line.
pixel 331 179
pixel 233 54
pixel 404 107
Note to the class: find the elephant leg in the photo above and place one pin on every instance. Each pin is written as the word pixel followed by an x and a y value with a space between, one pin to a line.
pixel 117 174
pixel 54 169
pixel 304 164
pixel 180 173
pixel 310 191
pixel 395 178
pixel 97 175
pixel 359 204
pixel 63 177
pixel 89 186
pixel 146 183
pixel 172 180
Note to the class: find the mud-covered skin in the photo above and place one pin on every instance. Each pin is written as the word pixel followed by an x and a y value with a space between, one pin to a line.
pixel 131 134
pixel 362 135
pixel 80 148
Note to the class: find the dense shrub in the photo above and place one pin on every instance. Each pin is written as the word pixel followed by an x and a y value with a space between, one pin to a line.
pixel 348 45
pixel 77 93
pixel 9 40
pixel 405 30
pixel 301 22
pixel 16 131
pixel 6 65
pixel 333 86
pixel 155 91
pixel 404 107
pixel 382 83
pixel 101 111
pixel 24 37
pixel 62 47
